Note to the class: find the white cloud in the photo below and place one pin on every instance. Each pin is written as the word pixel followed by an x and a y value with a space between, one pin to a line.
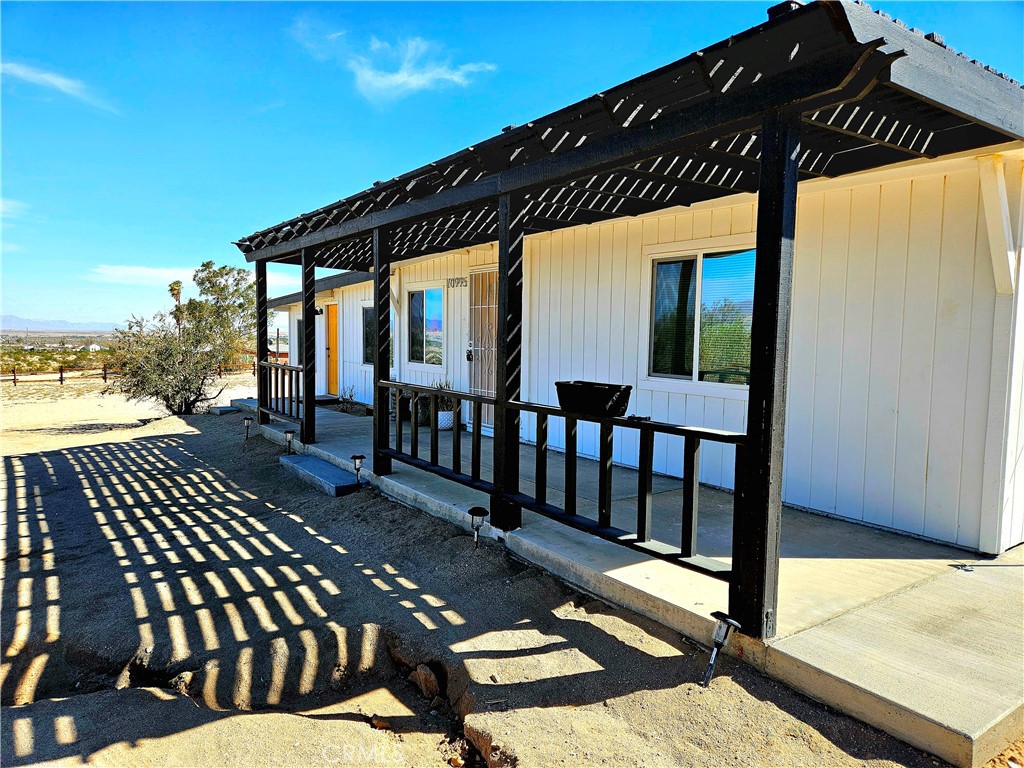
pixel 386 71
pixel 123 274
pixel 12 209
pixel 69 86
pixel 419 68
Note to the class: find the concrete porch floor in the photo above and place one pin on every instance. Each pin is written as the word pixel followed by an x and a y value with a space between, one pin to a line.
pixel 919 639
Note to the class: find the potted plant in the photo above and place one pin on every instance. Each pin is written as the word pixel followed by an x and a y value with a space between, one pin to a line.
pixel 445 405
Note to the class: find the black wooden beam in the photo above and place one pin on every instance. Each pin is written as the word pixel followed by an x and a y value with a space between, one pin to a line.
pixel 262 343
pixel 819 82
pixel 382 353
pixel 753 591
pixel 939 76
pixel 505 514
pixel 308 342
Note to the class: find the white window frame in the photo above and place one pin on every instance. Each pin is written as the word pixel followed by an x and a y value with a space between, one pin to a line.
pixel 407 340
pixel 696 249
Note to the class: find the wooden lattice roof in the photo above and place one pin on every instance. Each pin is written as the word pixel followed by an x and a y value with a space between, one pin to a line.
pixel 870 93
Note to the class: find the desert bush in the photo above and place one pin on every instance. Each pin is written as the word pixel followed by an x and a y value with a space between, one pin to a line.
pixel 174 358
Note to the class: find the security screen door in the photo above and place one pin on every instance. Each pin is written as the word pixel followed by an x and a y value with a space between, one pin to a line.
pixel 483 324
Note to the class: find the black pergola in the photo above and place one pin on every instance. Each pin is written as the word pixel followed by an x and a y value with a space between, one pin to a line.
pixel 822 90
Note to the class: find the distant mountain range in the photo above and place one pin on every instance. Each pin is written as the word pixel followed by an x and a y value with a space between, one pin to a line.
pixel 13 323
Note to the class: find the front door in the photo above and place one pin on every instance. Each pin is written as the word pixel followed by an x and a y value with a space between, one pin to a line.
pixel 332 348
pixel 483 325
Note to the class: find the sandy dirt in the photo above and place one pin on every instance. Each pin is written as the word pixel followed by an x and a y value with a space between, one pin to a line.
pixel 172 597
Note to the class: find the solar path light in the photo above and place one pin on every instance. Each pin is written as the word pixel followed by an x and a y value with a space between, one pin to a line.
pixel 723 629
pixel 289 435
pixel 357 464
pixel 248 423
pixel 477 515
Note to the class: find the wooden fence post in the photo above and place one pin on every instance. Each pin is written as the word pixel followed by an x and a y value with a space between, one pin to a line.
pixel 14 373
pixel 104 373
pixel 61 373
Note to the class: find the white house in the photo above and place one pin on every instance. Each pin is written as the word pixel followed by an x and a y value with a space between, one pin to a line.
pixel 904 405
pixel 868 180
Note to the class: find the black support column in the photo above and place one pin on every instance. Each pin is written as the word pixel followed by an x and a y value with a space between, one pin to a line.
pixel 508 370
pixel 382 353
pixel 753 591
pixel 308 342
pixel 262 344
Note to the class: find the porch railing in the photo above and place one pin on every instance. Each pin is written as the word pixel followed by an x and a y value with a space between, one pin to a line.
pixel 684 554
pixel 282 383
pixel 417 396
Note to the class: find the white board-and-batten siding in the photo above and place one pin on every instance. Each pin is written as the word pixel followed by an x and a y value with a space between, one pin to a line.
pixel 891 346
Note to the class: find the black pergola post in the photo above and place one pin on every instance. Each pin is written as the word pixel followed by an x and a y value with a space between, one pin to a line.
pixel 508 370
pixel 262 343
pixel 753 590
pixel 308 342
pixel 382 353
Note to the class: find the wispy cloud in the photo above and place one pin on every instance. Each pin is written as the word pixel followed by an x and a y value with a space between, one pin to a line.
pixel 386 71
pixel 270 106
pixel 69 86
pixel 12 209
pixel 11 248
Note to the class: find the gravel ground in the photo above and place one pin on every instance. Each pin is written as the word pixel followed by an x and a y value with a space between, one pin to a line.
pixel 172 597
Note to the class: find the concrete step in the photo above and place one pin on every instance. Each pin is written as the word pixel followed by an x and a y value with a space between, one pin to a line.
pixel 332 480
pixel 221 410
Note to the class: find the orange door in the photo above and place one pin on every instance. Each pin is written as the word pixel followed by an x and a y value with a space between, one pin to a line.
pixel 332 348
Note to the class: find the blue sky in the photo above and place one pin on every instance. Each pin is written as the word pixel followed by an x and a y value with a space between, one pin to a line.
pixel 140 139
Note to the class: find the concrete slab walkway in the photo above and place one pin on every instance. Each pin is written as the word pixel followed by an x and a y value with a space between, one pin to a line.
pixel 839 582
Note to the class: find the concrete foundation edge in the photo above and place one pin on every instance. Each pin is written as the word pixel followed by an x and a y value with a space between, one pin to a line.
pixel 961 750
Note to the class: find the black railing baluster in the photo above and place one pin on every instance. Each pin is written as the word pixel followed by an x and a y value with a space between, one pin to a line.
pixel 478 410
pixel 691 493
pixel 414 434
pixel 399 420
pixel 433 430
pixel 457 437
pixel 644 485
pixel 541 471
pixel 604 476
pixel 570 465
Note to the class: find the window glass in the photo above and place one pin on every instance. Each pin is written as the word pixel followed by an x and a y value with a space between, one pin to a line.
pixel 434 326
pixel 300 346
pixel 426 326
pixel 416 327
pixel 675 290
pixel 368 345
pixel 726 310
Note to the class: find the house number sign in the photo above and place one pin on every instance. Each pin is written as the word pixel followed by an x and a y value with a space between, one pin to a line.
pixel 458 282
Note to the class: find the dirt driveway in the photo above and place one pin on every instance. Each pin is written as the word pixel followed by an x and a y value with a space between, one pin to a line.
pixel 172 597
